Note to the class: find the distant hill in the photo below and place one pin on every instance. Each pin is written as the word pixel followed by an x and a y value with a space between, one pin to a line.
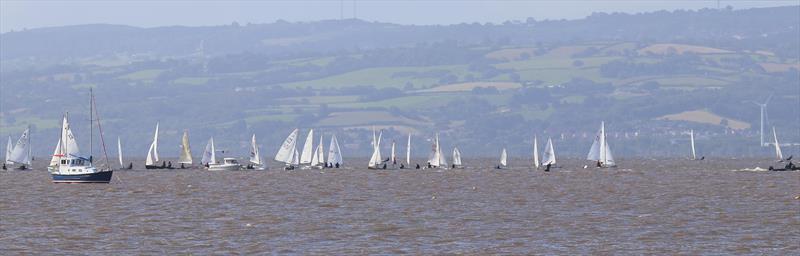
pixel 651 77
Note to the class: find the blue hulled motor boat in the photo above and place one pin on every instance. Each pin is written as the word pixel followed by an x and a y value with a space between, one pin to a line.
pixel 67 166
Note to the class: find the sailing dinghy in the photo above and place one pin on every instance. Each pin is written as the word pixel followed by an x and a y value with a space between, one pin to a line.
pixel 186 151
pixel 256 162
pixel 549 157
pixel 437 159
pixel 20 154
pixel 457 159
pixel 503 160
pixel 375 160
pixel 287 153
pixel 600 151
pixel 335 153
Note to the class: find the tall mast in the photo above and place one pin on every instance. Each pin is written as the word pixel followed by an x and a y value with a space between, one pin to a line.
pixel 91 119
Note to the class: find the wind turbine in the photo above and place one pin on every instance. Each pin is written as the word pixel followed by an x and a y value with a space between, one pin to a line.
pixel 763 117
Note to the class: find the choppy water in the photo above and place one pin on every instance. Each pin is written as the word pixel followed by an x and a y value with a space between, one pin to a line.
pixel 644 207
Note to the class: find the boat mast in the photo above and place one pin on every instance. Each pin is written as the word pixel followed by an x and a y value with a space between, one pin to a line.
pixel 100 130
pixel 91 126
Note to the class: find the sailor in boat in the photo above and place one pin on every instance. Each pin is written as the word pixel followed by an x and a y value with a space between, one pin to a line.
pixel 453 166
pixel 337 165
pixel 429 165
pixel 384 166
pixel 547 167
pixel 169 166
pixel 599 164
pixel 4 166
pixel 402 166
pixel 417 166
pixel 183 167
pixel 130 166
pixel 497 167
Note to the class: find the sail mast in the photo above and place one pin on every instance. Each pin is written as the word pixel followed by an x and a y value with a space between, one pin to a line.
pixel 778 152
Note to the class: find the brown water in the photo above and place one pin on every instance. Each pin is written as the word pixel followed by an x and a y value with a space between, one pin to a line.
pixel 643 207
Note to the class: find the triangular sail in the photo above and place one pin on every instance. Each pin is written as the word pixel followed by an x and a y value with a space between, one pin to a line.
pixel 778 152
pixel 186 151
pixel 56 153
pixel 315 159
pixel 549 156
pixel 20 153
pixel 209 156
pixel 287 151
pixel 376 158
pixel 255 156
pixel 119 152
pixel 334 153
pixel 308 148
pixel 437 158
pixel 321 149
pixel 408 150
pixel 152 153
pixel 535 152
pixel 9 148
pixel 504 158
pixel 691 137
pixel 393 156
pixel 456 157
pixel 295 158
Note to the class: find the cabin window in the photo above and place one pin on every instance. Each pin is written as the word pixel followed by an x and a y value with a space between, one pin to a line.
pixel 63 161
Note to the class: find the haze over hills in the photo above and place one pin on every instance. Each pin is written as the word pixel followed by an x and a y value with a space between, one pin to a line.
pixel 651 77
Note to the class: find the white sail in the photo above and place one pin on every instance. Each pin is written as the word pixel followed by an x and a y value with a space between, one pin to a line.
pixel 186 151
pixel 119 152
pixel 287 151
pixel 20 153
pixel 437 158
pixel 393 156
pixel 609 162
pixel 152 153
pixel 691 137
pixel 408 150
pixel 535 152
pixel 295 158
pixel 320 150
pixel 316 159
pixel 209 154
pixel 9 148
pixel 549 156
pixel 56 154
pixel 456 157
pixel 504 158
pixel 308 148
pixel 255 156
pixel 778 152
pixel 600 150
pixel 376 159
pixel 66 144
pixel 334 152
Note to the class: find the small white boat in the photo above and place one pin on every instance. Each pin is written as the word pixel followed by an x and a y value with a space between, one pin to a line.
pixel 209 154
pixel 317 157
pixel 503 160
pixel 549 157
pixel 335 153
pixel 152 154
pixel 600 151
pixel 288 151
pixel 457 158
pixel 255 157
pixel 185 158
pixel 376 161
pixel 20 154
pixel 228 164
pixel 437 159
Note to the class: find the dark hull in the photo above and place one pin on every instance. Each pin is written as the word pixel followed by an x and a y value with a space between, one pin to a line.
pixel 153 167
pixel 99 177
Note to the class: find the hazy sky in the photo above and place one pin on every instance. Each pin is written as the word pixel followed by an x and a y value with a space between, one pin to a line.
pixel 16 15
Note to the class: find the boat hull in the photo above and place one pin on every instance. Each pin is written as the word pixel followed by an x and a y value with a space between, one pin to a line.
pixel 156 167
pixel 224 167
pixel 98 177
